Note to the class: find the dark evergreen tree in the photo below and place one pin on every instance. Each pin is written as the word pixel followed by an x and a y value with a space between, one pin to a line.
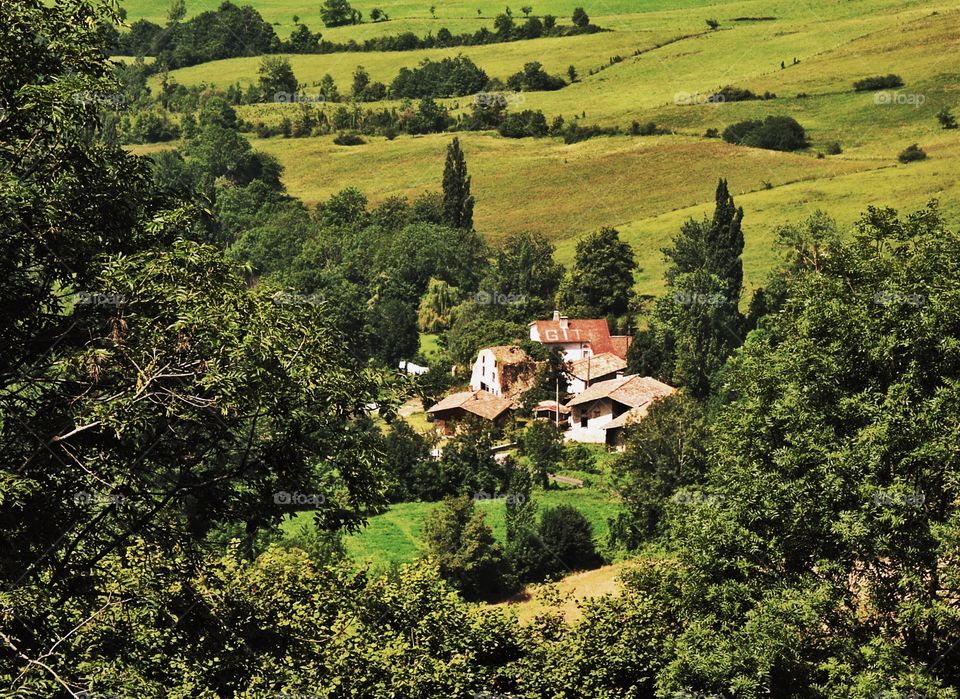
pixel 697 324
pixel 457 200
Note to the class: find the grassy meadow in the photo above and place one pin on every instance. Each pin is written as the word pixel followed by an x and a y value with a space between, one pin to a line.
pixel 397 535
pixel 646 186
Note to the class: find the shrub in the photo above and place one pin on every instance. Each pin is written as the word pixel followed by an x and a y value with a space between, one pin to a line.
pixel 543 444
pixel 946 118
pixel 730 93
pixel 567 539
pixel 711 133
pixel 533 78
pixel 834 149
pixel 878 82
pixel 348 139
pixel 464 549
pixel 712 23
pixel 648 129
pixel 449 77
pixel 574 133
pixel 523 124
pixel 774 133
pixel 912 153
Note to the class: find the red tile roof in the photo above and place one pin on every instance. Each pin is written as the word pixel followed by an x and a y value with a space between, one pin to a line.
pixel 596 333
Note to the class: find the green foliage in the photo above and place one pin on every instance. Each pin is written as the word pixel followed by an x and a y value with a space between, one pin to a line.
pixel 448 77
pixel 533 78
pixel 523 268
pixel 665 451
pixel 580 18
pixel 337 13
pixel 463 548
pixel 600 283
pixel 276 79
pixel 525 124
pixel 457 200
pixel 946 118
pixel 436 307
pixel 911 154
pixel 878 82
pixel 348 139
pixel 696 325
pixel 467 466
pixel 543 444
pixel 226 32
pixel 567 540
pixel 836 469
pixel 470 333
pixel 774 133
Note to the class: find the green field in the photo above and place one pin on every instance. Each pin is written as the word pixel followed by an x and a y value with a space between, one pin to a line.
pixel 646 186
pixel 397 535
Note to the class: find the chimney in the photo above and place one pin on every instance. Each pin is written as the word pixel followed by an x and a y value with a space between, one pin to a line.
pixel 619 374
pixel 564 322
pixel 556 316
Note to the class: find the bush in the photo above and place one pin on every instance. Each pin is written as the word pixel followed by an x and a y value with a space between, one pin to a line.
pixel 464 549
pixel 533 78
pixel 567 539
pixel 450 77
pixel 912 153
pixel 834 149
pixel 543 444
pixel 524 124
pixel 774 133
pixel 574 133
pixel 648 129
pixel 732 94
pixel 878 82
pixel 348 139
pixel 711 133
pixel 946 118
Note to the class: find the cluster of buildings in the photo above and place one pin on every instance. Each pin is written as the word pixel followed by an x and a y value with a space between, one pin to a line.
pixel 600 399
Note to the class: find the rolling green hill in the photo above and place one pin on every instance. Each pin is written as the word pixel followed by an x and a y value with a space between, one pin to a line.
pixel 646 186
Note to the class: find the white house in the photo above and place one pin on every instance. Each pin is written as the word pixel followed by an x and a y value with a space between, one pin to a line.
pixel 578 339
pixel 599 406
pixel 505 370
pixel 592 369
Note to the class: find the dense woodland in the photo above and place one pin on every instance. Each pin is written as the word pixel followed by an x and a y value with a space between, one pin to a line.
pixel 183 340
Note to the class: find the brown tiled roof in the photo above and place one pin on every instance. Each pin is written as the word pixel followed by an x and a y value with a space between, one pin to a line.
pixel 508 354
pixel 633 391
pixel 481 403
pixel 596 366
pixel 551 405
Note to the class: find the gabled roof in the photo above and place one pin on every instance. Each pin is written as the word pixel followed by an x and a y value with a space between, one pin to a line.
pixel 596 366
pixel 482 403
pixel 553 406
pixel 596 333
pixel 633 391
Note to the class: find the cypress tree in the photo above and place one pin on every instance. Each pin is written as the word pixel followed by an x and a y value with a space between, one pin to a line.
pixel 457 200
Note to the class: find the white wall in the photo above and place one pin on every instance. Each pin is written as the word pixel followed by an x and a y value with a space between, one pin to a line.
pixel 485 373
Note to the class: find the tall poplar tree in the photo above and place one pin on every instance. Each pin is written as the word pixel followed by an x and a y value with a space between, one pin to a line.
pixel 457 200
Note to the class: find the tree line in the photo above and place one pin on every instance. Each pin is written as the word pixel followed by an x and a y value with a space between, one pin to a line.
pixel 231 31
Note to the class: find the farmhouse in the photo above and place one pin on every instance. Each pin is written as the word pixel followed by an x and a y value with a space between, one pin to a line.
pixel 578 338
pixel 505 370
pixel 459 406
pixel 601 406
pixel 592 369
